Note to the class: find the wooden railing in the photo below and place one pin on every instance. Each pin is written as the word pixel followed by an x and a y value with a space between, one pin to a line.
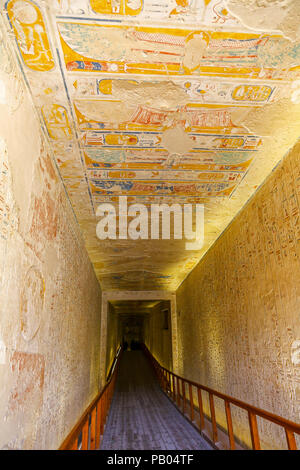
pixel 87 433
pixel 175 387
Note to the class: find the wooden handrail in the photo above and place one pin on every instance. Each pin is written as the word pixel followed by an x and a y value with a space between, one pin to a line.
pixel 87 433
pixel 167 381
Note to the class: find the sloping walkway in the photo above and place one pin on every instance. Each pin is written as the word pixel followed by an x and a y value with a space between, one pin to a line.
pixel 141 417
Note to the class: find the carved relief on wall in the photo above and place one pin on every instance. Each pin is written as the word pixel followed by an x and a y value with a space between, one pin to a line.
pixel 117 7
pixel 8 216
pixel 57 121
pixel 26 397
pixel 295 352
pixel 31 303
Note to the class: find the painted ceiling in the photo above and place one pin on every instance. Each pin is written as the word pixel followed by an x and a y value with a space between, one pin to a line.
pixel 188 101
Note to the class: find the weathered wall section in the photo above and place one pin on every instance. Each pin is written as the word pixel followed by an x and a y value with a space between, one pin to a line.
pixel 238 311
pixel 157 331
pixel 49 296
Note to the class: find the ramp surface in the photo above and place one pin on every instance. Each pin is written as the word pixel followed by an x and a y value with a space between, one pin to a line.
pixel 141 417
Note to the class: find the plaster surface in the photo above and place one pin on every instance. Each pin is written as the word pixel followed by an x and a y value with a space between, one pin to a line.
pixel 50 298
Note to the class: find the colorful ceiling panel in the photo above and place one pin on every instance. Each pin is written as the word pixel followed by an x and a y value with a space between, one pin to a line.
pixel 162 102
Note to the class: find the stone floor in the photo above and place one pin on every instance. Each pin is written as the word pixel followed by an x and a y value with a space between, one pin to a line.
pixel 141 417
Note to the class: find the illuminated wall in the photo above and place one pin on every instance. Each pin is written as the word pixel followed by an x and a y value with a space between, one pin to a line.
pixel 238 310
pixel 157 331
pixel 49 295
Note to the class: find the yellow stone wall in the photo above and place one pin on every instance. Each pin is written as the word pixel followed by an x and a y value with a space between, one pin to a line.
pixel 50 299
pixel 158 339
pixel 238 310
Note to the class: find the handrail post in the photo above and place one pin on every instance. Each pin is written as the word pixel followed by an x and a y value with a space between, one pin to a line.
pixel 191 402
pixel 200 404
pixel 93 430
pixel 178 392
pixel 229 425
pixel 183 396
pixel 85 435
pixel 213 418
pixel 98 425
pixel 254 430
pixel 101 415
pixel 174 389
pixel 74 445
pixel 291 441
pixel 161 378
pixel 105 406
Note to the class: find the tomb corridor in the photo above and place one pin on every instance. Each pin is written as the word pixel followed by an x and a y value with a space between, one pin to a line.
pixel 149 225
